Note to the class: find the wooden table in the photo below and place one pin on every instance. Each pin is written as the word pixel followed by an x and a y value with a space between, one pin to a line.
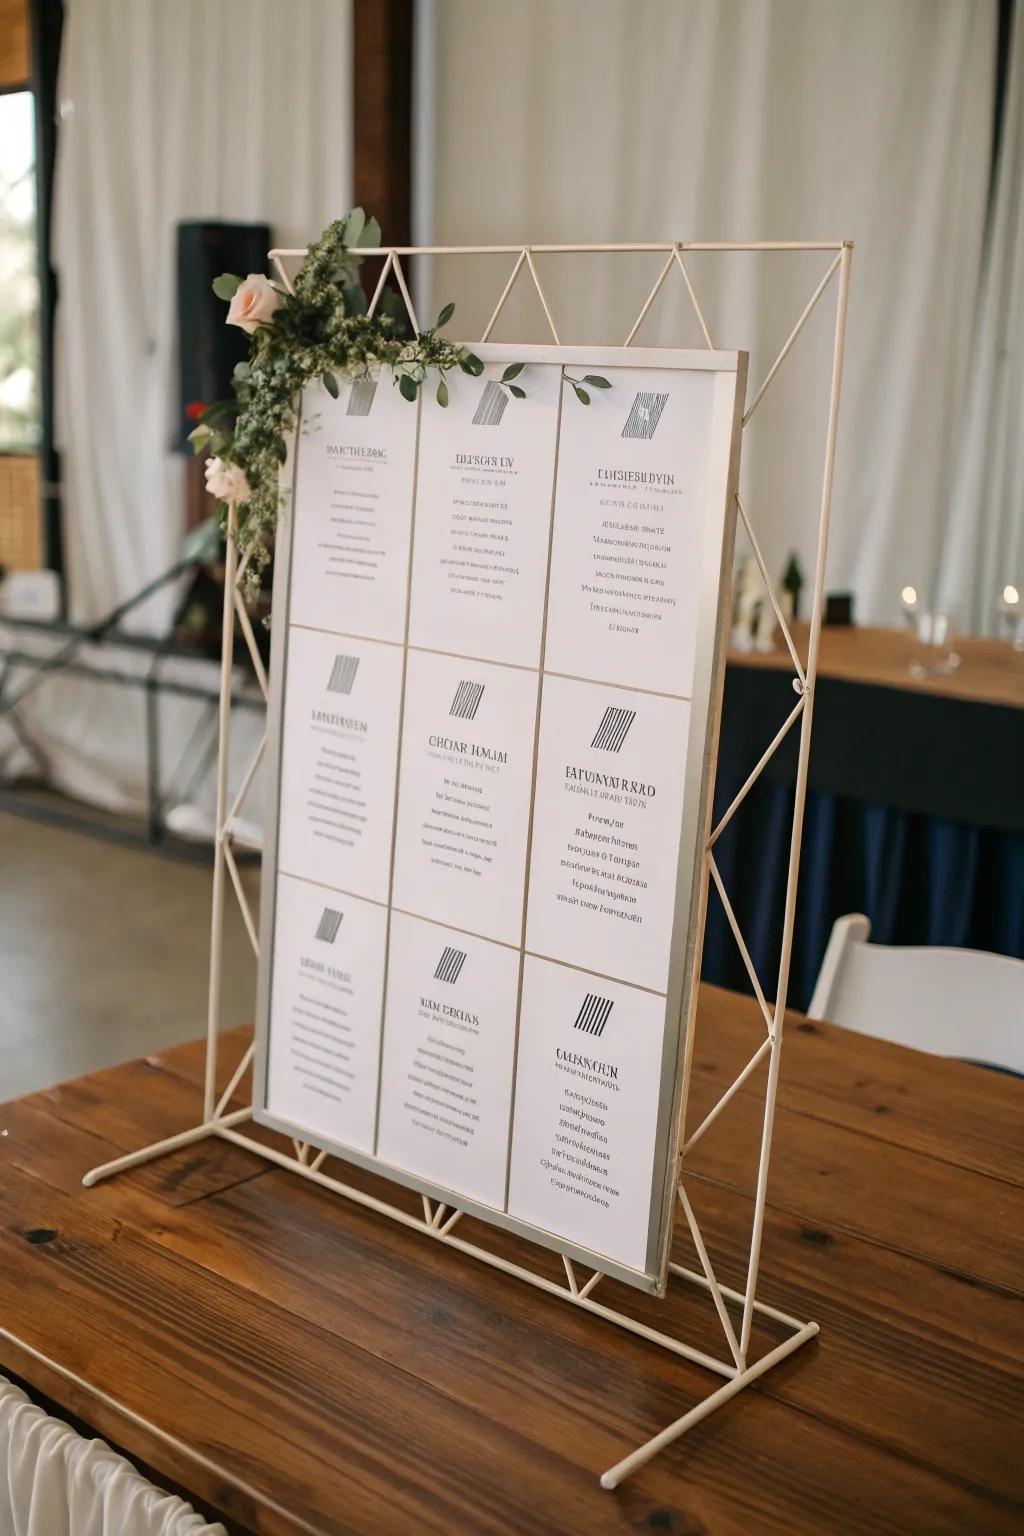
pixel 990 671
pixel 303 1365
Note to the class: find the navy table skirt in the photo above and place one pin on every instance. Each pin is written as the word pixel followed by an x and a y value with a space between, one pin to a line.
pixel 915 816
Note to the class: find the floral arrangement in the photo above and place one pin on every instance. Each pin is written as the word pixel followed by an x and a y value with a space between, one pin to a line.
pixel 319 331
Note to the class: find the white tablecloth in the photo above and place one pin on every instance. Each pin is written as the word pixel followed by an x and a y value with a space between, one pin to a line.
pixel 55 1483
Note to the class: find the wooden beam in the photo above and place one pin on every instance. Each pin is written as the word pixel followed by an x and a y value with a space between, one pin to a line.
pixel 382 68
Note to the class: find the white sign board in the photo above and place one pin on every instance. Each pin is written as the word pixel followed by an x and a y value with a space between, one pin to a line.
pixel 497 659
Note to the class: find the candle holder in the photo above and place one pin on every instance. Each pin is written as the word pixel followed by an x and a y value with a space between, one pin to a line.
pixel 1011 616
pixel 934 630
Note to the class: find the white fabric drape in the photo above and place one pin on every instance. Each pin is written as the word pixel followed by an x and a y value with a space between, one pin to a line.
pixel 170 109
pixel 55 1483
pixel 745 120
pixel 984 546
pixel 240 109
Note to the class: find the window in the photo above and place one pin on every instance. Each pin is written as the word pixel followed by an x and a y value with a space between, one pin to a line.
pixel 19 281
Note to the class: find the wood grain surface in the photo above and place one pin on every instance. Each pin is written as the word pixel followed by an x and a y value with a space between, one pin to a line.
pixel 304 1365
pixel 990 671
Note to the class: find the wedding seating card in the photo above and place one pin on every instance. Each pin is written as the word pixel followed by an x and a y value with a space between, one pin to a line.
pixel 338 761
pixel 449 1041
pixel 326 1003
pixel 483 511
pixel 353 499
pixel 609 801
pixel 496 666
pixel 589 1065
pixel 629 525
pixel 464 805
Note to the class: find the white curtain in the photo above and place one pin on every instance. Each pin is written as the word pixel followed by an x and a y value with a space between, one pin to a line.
pixel 170 109
pixel 745 120
pixel 984 545
pixel 55 1483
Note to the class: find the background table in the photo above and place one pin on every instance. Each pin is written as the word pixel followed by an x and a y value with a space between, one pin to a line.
pixel 304 1365
pixel 915 810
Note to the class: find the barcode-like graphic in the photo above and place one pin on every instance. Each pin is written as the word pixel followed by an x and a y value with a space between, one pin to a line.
pixel 327 927
pixel 360 401
pixel 449 965
pixel 343 674
pixel 492 405
pixel 614 729
pixel 593 1016
pixel 467 700
pixel 643 419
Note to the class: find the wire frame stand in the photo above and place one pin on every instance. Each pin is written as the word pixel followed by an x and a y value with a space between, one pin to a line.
pixel 436 1221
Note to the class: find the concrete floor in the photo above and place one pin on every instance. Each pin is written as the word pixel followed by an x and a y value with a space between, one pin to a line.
pixel 103 954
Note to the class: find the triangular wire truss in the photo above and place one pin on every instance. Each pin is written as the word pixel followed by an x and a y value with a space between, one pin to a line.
pixel 439 1220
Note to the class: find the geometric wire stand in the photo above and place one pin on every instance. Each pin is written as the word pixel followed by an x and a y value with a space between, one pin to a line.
pixel 436 1220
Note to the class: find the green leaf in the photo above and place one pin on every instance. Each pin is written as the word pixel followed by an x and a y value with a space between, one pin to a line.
pixel 241 371
pixel 597 381
pixel 370 235
pixel 408 387
pixel 442 392
pixel 581 395
pixel 330 383
pixel 514 389
pixel 471 364
pixel 355 299
pixel 226 285
pixel 354 226
pixel 199 437
pixel 512 372
pixel 444 316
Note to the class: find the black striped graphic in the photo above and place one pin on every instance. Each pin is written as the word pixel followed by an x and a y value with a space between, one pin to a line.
pixel 614 729
pixel 492 405
pixel 343 674
pixel 360 401
pixel 467 700
pixel 593 1016
pixel 449 965
pixel 643 419
pixel 327 927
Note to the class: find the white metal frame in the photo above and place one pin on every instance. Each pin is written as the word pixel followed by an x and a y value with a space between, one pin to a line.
pixel 435 1219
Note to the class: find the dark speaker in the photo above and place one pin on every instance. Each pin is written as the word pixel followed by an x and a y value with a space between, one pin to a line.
pixel 208 349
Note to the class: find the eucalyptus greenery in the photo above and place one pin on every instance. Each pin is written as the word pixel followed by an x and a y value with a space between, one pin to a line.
pixel 319 331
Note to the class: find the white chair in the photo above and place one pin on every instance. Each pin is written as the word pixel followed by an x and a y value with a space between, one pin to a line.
pixel 952 1002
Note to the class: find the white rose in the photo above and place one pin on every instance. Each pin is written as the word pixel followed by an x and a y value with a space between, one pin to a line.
pixel 227 482
pixel 253 303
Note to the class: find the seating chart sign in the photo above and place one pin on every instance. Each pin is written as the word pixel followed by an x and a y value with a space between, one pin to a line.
pixel 497 660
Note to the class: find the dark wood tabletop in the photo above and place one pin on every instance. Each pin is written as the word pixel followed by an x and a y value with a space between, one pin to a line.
pixel 302 1364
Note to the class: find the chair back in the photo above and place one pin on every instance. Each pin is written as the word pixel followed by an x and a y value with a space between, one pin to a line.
pixel 953 1002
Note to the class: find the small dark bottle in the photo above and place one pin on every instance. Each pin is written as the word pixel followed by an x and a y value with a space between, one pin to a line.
pixel 792 582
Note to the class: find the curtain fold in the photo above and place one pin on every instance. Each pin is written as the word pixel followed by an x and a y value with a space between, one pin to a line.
pixel 984 545
pixel 746 120
pixel 55 1483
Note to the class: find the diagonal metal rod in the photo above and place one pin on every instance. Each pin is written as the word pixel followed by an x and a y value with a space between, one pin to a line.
pixel 738 936
pixel 794 333
pixel 492 322
pixel 733 1088
pixel 540 294
pixel 713 1286
pixel 756 772
pixel 693 298
pixel 642 316
pixel 770 588
pixel 235 1079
